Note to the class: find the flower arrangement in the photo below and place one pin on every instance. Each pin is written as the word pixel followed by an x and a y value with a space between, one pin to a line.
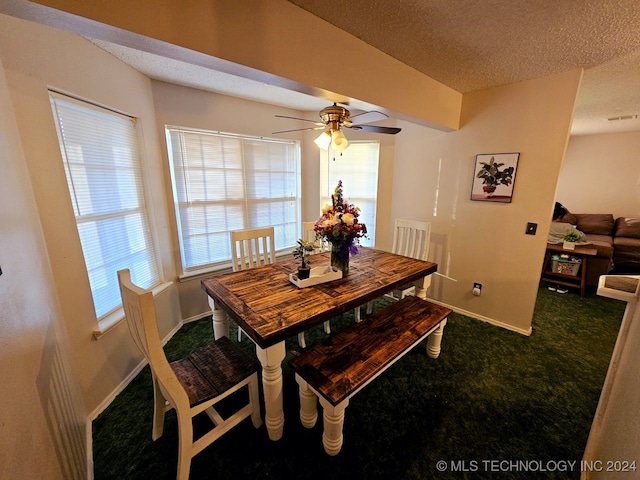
pixel 339 225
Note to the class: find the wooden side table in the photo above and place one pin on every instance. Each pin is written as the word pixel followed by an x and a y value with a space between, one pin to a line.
pixel 567 280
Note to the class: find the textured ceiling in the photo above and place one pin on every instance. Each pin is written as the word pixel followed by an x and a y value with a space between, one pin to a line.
pixel 470 45
pixel 474 44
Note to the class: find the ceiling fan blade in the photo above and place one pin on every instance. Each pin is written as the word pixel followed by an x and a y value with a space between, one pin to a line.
pixel 368 117
pixel 320 127
pixel 376 129
pixel 302 119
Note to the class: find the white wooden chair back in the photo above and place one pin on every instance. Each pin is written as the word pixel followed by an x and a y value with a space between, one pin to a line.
pixel 140 312
pixel 308 232
pixel 411 238
pixel 309 235
pixel 252 248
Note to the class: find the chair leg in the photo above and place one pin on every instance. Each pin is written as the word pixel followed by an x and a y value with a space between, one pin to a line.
pixel 301 340
pixel 159 409
pixel 408 291
pixel 254 400
pixel 185 446
pixel 359 315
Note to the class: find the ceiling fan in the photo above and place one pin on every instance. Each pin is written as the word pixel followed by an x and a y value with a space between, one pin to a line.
pixel 334 118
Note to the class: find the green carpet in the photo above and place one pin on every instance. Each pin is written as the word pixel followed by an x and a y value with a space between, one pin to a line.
pixel 492 396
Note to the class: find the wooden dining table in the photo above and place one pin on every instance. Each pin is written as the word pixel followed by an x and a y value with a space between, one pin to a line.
pixel 270 308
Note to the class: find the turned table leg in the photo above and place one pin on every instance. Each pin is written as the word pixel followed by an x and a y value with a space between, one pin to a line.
pixel 271 360
pixel 421 287
pixel 220 320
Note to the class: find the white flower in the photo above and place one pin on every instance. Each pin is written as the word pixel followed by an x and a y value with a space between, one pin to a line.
pixel 348 219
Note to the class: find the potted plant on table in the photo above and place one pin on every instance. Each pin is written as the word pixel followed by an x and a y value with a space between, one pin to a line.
pixel 301 252
pixel 570 239
pixel 492 176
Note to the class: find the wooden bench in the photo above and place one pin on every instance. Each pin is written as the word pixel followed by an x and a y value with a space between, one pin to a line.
pixel 335 370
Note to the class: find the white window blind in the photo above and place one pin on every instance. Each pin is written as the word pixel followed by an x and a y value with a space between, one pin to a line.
pixel 102 163
pixel 357 167
pixel 225 182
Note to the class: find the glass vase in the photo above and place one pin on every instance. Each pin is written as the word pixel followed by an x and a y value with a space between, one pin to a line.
pixel 340 257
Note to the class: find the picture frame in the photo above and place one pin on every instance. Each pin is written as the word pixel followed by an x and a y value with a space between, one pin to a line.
pixel 494 177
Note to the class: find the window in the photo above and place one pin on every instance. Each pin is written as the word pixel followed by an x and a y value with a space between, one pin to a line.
pixel 102 163
pixel 225 182
pixel 357 167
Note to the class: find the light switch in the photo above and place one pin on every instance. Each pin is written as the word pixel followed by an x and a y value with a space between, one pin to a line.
pixel 531 228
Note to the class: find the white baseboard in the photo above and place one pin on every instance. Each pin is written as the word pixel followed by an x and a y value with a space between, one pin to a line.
pixel 482 318
pixel 195 318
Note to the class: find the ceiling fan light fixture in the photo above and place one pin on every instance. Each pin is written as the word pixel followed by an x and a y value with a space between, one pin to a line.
pixel 338 141
pixel 323 140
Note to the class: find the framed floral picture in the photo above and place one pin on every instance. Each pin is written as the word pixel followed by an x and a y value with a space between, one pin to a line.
pixel 494 176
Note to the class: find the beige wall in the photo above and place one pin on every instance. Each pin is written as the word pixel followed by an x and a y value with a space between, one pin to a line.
pixel 601 174
pixel 53 58
pixel 23 322
pixel 481 241
pixel 34 362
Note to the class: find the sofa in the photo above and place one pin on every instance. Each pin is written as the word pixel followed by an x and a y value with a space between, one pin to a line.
pixel 617 241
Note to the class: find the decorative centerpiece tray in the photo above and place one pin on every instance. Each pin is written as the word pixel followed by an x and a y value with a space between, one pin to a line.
pixel 316 276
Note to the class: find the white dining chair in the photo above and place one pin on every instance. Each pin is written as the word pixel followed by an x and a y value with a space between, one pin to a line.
pixel 250 248
pixel 410 238
pixel 194 384
pixel 309 235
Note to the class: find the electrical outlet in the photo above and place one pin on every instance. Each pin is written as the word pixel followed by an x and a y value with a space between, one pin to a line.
pixel 477 285
pixel 531 228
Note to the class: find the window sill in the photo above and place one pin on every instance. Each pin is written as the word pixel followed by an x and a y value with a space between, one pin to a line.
pixel 222 267
pixel 203 273
pixel 106 323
